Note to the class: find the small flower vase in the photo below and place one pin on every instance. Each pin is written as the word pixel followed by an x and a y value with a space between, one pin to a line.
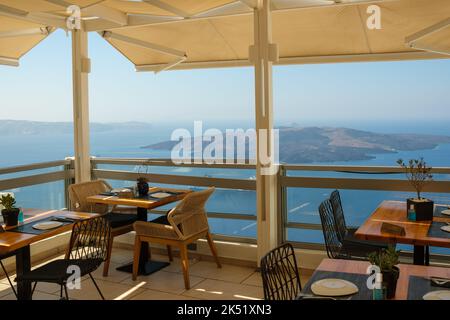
pixel 142 186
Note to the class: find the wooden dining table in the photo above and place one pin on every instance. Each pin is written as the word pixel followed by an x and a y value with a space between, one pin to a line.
pixel 416 232
pixel 14 243
pixel 340 266
pixel 142 204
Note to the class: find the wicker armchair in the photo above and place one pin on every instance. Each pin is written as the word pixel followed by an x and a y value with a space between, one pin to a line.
pixel 121 218
pixel 184 224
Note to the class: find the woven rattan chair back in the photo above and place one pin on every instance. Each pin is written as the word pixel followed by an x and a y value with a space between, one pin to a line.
pixel 338 213
pixel 190 214
pixel 279 271
pixel 330 233
pixel 89 240
pixel 80 191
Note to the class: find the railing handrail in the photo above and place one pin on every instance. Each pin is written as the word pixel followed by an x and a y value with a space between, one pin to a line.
pixel 243 184
pixel 34 166
pixel 356 169
pixel 239 164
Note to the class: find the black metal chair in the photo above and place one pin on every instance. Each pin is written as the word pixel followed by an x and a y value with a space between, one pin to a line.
pixel 346 234
pixel 279 271
pixel 88 248
pixel 6 272
pixel 333 242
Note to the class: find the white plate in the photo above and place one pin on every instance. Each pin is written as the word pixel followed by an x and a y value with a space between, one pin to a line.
pixel 446 212
pixel 160 195
pixel 47 225
pixel 437 295
pixel 333 287
pixel 446 228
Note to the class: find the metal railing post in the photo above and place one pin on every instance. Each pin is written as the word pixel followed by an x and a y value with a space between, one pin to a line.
pixel 93 167
pixel 282 206
pixel 68 181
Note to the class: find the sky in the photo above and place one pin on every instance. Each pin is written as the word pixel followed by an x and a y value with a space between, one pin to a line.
pixel 41 90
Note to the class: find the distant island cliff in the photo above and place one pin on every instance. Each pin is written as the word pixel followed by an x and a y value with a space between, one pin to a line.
pixel 325 144
pixel 24 127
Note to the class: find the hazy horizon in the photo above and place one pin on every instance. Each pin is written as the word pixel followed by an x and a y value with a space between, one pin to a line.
pixel 41 90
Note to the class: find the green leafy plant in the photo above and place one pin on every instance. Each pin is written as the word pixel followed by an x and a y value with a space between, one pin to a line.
pixel 418 173
pixel 143 169
pixel 8 202
pixel 386 259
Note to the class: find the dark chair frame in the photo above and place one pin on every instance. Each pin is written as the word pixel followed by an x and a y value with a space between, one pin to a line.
pixel 333 242
pixel 280 276
pixel 88 247
pixel 339 216
pixel 6 272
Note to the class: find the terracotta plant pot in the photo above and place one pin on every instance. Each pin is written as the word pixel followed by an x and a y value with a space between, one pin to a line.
pixel 11 217
pixel 390 281
pixel 424 208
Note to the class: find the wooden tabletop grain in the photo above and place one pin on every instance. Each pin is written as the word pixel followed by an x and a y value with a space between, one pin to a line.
pixel 394 212
pixel 141 203
pixel 406 270
pixel 11 241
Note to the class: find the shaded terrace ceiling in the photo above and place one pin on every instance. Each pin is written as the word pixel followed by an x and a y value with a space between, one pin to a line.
pixel 155 35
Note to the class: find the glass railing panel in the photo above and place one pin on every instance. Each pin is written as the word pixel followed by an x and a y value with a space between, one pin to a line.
pixel 42 196
pixel 304 235
pixel 225 173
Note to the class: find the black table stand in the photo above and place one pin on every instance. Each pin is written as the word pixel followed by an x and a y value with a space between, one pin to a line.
pixel 146 266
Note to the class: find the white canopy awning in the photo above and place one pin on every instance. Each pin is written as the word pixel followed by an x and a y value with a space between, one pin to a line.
pixel 160 34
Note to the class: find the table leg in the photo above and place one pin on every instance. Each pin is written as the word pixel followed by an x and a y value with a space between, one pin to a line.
pixel 419 255
pixel 427 255
pixel 146 266
pixel 23 265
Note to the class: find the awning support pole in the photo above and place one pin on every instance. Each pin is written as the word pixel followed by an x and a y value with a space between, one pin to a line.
pixel 266 184
pixel 80 72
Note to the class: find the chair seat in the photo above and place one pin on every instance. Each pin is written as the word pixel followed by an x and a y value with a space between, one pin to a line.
pixel 352 240
pixel 353 248
pixel 161 220
pixel 56 271
pixel 118 220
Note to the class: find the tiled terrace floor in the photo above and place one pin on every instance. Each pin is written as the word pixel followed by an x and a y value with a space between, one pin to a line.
pixel 207 282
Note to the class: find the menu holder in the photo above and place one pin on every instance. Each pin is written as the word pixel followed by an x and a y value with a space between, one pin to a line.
pixel 392 229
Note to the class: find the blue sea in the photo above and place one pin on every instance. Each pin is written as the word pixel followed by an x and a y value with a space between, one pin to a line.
pixel 301 203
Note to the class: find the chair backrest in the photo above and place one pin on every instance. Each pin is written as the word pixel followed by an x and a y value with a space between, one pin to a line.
pixel 189 216
pixel 330 233
pixel 89 240
pixel 279 272
pixel 338 213
pixel 80 191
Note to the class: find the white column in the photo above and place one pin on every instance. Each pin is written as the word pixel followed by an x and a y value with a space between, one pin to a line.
pixel 80 71
pixel 262 54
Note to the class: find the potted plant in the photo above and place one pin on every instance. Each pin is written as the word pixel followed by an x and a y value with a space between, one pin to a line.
pixel 387 260
pixel 418 174
pixel 142 182
pixel 9 212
